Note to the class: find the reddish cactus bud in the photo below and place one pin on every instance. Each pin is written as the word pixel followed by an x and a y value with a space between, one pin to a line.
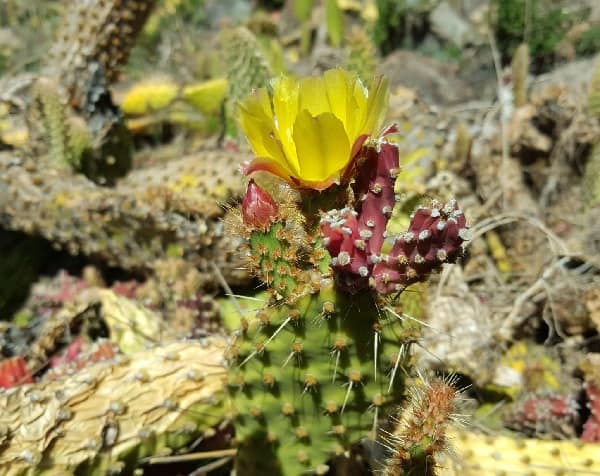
pixel 14 372
pixel 258 207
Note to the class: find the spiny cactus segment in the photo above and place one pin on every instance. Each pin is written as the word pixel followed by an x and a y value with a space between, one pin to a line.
pixel 275 241
pixel 109 417
pixel 422 429
pixel 312 377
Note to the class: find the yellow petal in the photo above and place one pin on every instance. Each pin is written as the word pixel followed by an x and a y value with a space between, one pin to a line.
pixel 312 96
pixel 377 104
pixel 337 86
pixel 285 106
pixel 358 98
pixel 322 145
pixel 259 104
pixel 256 120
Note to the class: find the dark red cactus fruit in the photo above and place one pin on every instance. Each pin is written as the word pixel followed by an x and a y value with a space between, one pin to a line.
pixel 591 427
pixel 14 372
pixel 552 415
pixel 434 237
pixel 258 207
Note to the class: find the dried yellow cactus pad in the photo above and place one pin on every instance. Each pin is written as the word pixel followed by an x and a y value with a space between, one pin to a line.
pixel 107 417
pixel 481 455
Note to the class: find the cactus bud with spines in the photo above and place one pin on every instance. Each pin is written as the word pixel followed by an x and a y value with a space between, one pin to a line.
pixel 318 367
pixel 258 207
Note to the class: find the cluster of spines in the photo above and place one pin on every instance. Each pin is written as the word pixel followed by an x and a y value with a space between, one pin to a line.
pixel 355 237
pixel 273 256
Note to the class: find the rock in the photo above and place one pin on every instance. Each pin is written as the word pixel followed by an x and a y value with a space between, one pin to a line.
pixel 573 77
pixel 449 25
pixel 434 81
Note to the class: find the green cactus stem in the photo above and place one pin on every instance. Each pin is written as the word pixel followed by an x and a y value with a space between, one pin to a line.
pixel 312 377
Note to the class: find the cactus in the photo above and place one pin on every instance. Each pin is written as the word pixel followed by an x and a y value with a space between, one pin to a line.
pixel 544 414
pixel 477 454
pixel 306 381
pixel 149 96
pixel 302 10
pixel 594 93
pixel 334 19
pixel 165 208
pixel 111 415
pixel 317 367
pixel 462 147
pixel 434 235
pixel 362 53
pixel 247 68
pixel 14 372
pixel 65 139
pixel 100 32
pixel 591 427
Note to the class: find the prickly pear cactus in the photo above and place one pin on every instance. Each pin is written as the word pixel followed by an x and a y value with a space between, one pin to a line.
pixel 317 367
pixel 246 68
pixel 311 377
pixel 476 454
pixel 109 416
pixel 95 31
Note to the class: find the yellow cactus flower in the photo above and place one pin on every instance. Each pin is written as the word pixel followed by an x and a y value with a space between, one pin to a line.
pixel 311 129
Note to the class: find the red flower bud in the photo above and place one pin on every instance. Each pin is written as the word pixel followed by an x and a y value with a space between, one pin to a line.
pixel 258 207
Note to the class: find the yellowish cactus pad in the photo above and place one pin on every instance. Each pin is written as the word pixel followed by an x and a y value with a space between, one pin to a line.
pixel 476 454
